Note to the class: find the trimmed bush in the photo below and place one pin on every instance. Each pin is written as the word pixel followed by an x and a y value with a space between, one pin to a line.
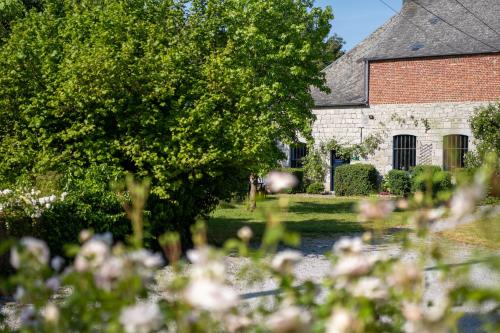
pixel 355 179
pixel 398 182
pixel 316 188
pixel 430 178
pixel 299 174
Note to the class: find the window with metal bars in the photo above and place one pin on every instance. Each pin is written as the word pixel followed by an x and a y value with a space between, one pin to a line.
pixel 455 147
pixel 404 152
pixel 297 152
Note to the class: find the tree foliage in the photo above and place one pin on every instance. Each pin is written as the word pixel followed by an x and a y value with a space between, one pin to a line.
pixel 332 50
pixel 191 94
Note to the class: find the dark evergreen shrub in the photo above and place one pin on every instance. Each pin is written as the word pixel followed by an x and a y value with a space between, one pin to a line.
pixel 355 179
pixel 315 188
pixel 398 182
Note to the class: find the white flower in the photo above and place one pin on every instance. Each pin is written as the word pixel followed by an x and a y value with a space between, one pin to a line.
pixel 412 311
pixel 6 192
pixel 235 323
pixel 464 201
pixel 109 272
pixel 210 295
pixel 106 237
pixel 142 317
pixel 146 259
pixel 245 233
pixel 63 196
pixel 378 210
pixel 348 245
pixel 353 265
pixel 371 288
pixel 404 274
pixel 50 313
pixel 436 310
pixel 199 256
pixel 342 321
pixel 19 294
pixel 53 283
pixel 57 263
pixel 289 319
pixel 92 254
pixel 28 316
pixel 279 181
pixel 35 248
pixel 52 198
pixel 84 235
pixel 284 261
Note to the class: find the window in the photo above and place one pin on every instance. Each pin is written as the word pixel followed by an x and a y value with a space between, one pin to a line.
pixel 454 149
pixel 297 152
pixel 404 152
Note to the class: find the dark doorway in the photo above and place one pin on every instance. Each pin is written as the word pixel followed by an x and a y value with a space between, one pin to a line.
pixel 335 162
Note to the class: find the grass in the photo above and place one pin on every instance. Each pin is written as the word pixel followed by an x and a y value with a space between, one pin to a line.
pixel 307 215
pixel 326 215
pixel 485 233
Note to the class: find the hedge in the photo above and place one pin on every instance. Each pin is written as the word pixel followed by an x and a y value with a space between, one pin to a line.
pixel 398 182
pixel 315 188
pixel 355 179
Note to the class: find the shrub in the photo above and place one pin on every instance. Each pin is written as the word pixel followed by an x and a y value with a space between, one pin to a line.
pixel 315 188
pixel 431 179
pixel 299 174
pixel 355 179
pixel 398 182
pixel 89 203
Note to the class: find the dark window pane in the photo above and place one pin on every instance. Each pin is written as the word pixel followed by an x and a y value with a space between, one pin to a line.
pixel 454 149
pixel 297 152
pixel 404 152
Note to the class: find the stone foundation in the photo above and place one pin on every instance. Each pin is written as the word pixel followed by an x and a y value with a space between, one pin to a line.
pixel 345 124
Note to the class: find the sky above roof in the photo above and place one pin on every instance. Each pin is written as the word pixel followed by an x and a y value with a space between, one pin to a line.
pixel 357 19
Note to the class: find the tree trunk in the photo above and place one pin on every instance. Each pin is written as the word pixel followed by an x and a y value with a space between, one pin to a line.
pixel 253 193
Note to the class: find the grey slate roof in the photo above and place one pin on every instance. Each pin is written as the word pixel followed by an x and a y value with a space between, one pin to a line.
pixel 414 32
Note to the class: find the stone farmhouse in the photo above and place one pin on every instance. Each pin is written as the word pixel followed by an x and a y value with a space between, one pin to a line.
pixel 414 82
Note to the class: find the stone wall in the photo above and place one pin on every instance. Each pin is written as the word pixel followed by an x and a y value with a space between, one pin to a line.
pixel 344 124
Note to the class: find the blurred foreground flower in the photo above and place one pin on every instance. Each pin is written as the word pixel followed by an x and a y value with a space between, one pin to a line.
pixel 210 295
pixel 342 321
pixel 375 210
pixel 33 248
pixel 142 317
pixel 284 261
pixel 279 181
pixel 289 319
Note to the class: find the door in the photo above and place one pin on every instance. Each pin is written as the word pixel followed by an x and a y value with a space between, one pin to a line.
pixel 335 162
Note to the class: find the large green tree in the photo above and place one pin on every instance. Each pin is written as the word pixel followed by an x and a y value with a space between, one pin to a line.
pixel 191 94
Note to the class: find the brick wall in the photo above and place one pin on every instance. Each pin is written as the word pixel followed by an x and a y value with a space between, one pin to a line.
pixel 437 79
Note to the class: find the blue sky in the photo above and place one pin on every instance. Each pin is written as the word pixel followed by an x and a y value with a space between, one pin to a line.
pixel 356 19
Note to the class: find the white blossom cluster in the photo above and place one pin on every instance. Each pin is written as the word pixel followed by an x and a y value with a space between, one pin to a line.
pixel 30 201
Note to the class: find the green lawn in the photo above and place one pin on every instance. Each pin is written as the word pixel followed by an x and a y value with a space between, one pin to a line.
pixel 326 215
pixel 308 215
pixel 485 233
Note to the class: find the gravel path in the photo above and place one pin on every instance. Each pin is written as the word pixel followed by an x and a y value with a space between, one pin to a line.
pixel 315 265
